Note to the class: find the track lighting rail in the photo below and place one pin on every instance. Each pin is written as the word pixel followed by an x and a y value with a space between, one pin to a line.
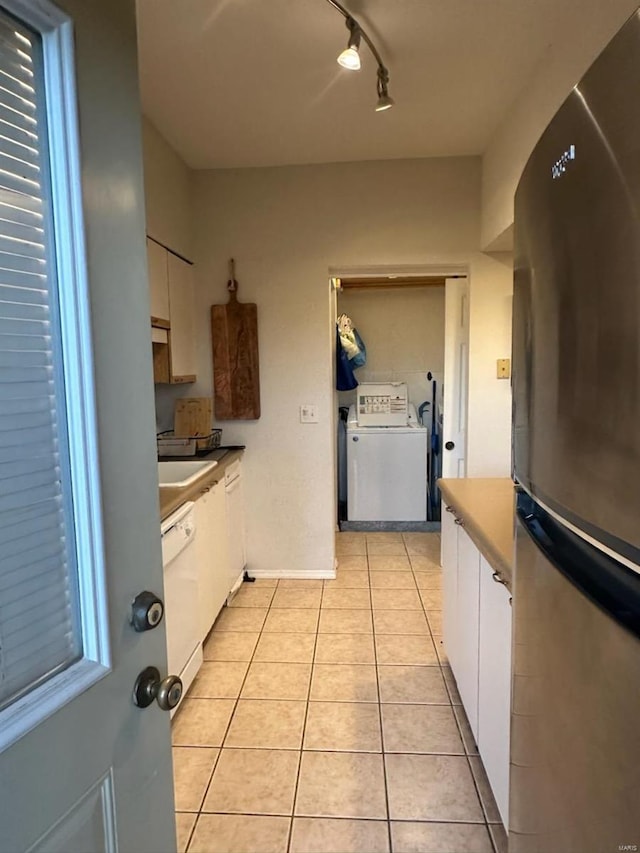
pixel 356 32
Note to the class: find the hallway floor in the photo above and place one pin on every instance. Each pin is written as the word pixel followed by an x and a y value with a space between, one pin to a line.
pixel 325 717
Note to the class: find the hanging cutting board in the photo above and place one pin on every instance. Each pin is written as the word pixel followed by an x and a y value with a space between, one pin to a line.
pixel 236 375
pixel 192 416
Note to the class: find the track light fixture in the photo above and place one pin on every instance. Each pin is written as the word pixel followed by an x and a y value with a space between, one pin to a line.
pixel 384 101
pixel 350 57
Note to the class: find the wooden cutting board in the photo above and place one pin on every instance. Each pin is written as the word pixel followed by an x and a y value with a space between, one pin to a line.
pixel 236 374
pixel 192 416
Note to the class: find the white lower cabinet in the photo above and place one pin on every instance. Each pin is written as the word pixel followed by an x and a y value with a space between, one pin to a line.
pixel 449 560
pixel 494 685
pixel 212 555
pixel 467 619
pixel 477 639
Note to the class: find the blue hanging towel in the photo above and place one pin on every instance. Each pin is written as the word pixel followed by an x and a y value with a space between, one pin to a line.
pixel 345 380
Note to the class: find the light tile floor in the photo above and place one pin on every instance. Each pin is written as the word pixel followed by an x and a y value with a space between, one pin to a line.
pixel 325 718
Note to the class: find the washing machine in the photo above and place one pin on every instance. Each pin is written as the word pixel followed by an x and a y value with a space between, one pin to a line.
pixel 386 456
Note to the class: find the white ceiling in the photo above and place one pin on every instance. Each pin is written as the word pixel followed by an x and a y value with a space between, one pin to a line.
pixel 235 83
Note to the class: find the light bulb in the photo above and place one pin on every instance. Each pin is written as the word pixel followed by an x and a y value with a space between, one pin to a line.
pixel 350 58
pixel 384 103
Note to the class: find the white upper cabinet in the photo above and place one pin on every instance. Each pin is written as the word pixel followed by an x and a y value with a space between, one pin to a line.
pixel 182 316
pixel 158 283
pixel 172 310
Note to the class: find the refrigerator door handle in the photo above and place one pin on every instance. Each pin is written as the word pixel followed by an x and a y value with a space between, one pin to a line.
pixel 609 584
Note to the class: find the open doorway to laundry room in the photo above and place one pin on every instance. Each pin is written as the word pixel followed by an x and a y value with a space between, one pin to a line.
pixel 400 399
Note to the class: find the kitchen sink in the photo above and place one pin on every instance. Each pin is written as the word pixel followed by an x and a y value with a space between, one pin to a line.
pixel 175 475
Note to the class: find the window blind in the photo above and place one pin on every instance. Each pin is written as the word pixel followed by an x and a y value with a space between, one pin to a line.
pixel 39 612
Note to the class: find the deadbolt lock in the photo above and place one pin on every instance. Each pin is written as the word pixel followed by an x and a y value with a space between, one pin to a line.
pixel 147 611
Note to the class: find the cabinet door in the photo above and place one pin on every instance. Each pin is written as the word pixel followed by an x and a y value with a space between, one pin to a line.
pixel 494 697
pixel 158 283
pixel 182 311
pixel 235 532
pixel 467 627
pixel 449 561
pixel 220 546
pixel 211 550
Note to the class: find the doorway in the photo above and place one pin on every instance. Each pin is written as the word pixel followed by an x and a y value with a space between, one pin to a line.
pixel 414 329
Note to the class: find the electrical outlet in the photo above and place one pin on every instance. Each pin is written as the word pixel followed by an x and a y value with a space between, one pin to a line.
pixel 504 368
pixel 308 414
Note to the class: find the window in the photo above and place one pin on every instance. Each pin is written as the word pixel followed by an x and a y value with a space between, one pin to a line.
pixel 52 602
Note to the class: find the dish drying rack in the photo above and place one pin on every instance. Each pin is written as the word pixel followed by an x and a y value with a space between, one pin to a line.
pixel 169 444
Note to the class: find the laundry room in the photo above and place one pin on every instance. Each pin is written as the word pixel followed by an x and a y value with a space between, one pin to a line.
pixel 391 342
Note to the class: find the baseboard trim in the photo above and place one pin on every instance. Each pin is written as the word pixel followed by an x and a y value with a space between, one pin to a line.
pixel 317 574
pixel 390 526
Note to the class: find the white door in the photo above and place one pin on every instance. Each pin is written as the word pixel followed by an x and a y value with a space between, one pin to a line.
pixel 456 364
pixel 81 767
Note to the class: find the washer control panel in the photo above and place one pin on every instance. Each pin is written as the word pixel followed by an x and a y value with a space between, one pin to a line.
pixel 382 404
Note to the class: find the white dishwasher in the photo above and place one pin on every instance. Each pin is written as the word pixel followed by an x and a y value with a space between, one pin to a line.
pixel 235 524
pixel 184 650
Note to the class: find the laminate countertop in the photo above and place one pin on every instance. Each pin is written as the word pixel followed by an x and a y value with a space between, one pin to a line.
pixel 486 505
pixel 171 499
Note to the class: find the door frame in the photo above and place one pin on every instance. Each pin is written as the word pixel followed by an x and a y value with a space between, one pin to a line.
pixel 406 270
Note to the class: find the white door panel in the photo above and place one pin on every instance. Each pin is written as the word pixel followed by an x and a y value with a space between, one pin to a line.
pixel 456 365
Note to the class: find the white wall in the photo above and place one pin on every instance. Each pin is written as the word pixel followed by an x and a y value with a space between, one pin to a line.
pixel 403 331
pixel 489 423
pixel 286 227
pixel 566 61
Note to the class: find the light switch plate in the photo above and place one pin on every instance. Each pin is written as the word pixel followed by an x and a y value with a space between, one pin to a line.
pixel 308 414
pixel 504 368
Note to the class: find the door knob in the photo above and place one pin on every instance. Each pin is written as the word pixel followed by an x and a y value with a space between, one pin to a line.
pixel 355 438
pixel 148 687
pixel 147 611
pixel 449 445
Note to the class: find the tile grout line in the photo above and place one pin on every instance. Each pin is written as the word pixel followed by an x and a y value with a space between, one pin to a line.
pixel 304 723
pixel 228 726
pixel 382 744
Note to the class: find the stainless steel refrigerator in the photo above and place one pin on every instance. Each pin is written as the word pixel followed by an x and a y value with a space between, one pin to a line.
pixel 575 736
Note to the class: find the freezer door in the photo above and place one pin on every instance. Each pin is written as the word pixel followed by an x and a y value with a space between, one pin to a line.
pixel 576 349
pixel 575 740
pixel 387 475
